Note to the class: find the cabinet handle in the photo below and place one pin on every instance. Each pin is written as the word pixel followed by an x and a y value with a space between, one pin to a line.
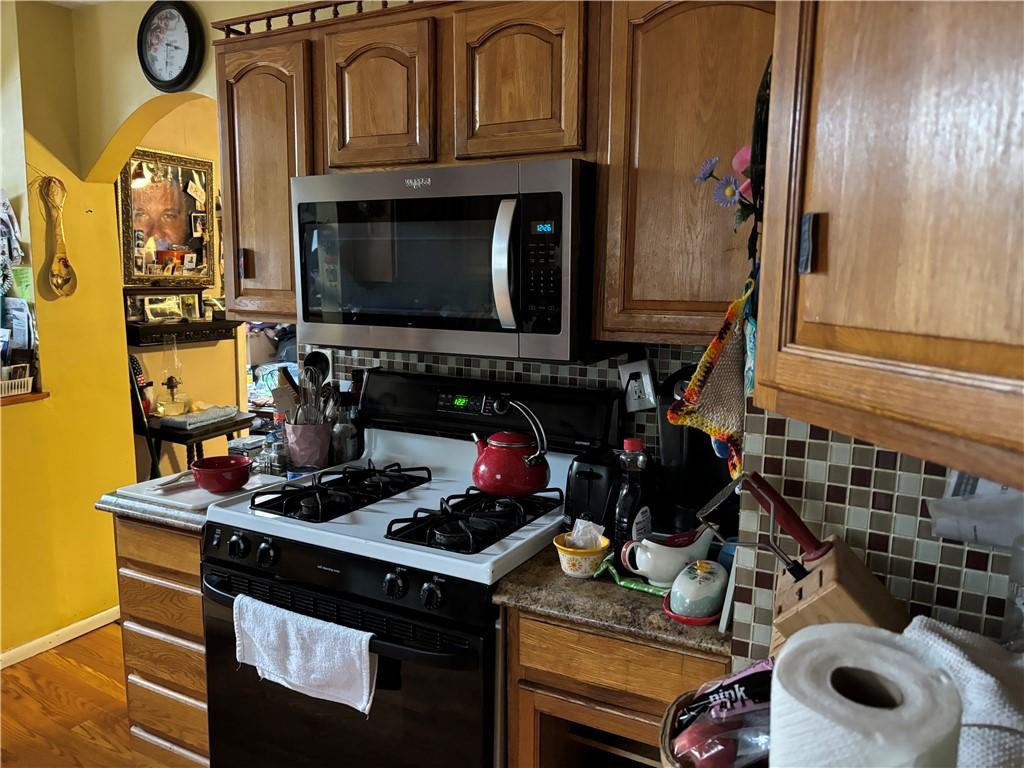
pixel 810 231
pixel 246 264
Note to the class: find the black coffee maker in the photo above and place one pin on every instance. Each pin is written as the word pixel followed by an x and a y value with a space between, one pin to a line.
pixel 690 473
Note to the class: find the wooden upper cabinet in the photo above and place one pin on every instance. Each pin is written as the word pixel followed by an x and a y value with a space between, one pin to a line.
pixel 899 127
pixel 518 78
pixel 380 94
pixel 263 97
pixel 683 81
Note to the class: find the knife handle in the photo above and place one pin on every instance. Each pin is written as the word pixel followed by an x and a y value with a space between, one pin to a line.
pixel 789 521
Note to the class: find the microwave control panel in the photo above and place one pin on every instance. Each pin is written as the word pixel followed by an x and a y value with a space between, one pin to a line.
pixel 541 303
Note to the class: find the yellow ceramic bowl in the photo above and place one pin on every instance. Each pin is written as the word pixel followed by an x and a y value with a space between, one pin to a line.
pixel 580 563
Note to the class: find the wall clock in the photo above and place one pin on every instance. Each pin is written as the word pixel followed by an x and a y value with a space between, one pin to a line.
pixel 171 45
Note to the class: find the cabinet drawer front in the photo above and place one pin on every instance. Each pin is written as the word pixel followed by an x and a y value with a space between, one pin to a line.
pixel 172 661
pixel 179 719
pixel 617 665
pixel 159 551
pixel 162 603
pixel 162 751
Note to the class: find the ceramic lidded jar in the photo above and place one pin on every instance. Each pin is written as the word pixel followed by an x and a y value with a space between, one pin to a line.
pixel 699 590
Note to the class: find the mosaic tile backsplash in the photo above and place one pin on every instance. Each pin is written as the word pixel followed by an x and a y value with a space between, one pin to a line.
pixel 665 360
pixel 874 499
pixel 877 501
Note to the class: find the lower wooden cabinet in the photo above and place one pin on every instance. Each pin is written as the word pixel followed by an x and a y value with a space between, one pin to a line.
pixel 574 693
pixel 162 631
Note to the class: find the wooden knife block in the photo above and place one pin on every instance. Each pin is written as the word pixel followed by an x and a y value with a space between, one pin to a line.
pixel 839 588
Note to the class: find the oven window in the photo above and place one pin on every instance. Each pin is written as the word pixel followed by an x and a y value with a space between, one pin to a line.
pixel 420 263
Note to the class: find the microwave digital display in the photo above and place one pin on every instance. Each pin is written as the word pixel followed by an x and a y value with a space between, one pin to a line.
pixel 542 227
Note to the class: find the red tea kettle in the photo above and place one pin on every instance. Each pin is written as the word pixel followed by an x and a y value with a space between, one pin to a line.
pixel 511 463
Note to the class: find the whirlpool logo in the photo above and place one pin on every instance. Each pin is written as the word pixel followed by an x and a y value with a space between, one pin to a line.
pixel 418 182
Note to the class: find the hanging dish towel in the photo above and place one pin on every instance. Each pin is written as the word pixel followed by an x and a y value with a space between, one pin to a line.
pixel 714 401
pixel 989 679
pixel 314 657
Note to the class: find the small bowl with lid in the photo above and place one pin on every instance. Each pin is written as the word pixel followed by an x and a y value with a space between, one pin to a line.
pixel 698 592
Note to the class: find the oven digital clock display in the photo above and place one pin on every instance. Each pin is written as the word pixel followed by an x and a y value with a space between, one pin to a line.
pixel 452 402
pixel 542 227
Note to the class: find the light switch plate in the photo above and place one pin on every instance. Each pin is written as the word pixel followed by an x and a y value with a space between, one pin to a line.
pixel 638 385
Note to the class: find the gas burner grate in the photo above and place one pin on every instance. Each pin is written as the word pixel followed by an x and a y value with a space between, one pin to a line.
pixel 336 492
pixel 470 522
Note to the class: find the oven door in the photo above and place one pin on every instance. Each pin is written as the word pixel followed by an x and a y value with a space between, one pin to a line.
pixel 431 707
pixel 422 263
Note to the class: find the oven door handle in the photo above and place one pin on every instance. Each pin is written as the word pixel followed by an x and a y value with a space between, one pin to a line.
pixel 501 243
pixel 440 659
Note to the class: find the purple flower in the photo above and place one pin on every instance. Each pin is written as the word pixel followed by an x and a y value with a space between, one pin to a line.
pixel 727 192
pixel 707 169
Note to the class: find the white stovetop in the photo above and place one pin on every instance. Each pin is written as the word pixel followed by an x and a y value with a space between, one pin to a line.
pixel 362 532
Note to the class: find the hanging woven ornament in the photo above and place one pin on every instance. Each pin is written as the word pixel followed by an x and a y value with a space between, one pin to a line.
pixel 714 401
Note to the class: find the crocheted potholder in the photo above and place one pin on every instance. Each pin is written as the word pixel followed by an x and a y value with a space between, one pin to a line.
pixel 713 401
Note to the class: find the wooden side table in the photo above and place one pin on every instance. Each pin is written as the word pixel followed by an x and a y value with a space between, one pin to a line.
pixel 192 439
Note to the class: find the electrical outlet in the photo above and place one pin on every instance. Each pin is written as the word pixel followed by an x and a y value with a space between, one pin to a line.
pixel 638 385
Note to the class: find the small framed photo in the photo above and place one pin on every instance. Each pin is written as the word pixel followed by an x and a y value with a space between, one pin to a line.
pixel 198 224
pixel 163 308
pixel 190 307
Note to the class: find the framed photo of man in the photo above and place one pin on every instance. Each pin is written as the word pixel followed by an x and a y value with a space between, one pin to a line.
pixel 166 220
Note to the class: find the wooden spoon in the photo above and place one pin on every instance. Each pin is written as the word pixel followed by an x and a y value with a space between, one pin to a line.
pixel 62 275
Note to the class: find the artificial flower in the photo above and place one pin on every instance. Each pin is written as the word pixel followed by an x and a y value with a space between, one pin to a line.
pixel 707 169
pixel 741 160
pixel 727 192
pixel 745 189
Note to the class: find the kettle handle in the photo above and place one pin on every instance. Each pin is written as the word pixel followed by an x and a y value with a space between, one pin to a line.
pixel 538 433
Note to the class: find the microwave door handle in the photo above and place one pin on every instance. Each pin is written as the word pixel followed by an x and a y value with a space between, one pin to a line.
pixel 500 245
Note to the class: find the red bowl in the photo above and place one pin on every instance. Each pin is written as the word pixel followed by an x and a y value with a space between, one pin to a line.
pixel 221 474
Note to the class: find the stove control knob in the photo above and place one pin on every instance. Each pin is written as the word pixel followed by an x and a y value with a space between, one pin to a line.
pixel 238 545
pixel 394 586
pixel 266 554
pixel 431 595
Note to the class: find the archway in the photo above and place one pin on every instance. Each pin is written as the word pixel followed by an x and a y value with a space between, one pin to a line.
pixel 131 131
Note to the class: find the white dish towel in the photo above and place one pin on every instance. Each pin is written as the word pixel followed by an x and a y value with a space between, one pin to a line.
pixel 314 657
pixel 990 682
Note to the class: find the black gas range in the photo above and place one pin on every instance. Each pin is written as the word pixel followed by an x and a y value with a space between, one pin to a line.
pixel 395 544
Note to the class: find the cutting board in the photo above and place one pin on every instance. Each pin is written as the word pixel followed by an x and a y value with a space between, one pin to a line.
pixel 185 494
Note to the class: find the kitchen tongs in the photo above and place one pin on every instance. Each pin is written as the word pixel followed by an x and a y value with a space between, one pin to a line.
pixel 772 502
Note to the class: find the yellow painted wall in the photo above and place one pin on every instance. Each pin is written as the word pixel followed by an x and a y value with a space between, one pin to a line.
pixel 81 95
pixel 58 455
pixel 111 86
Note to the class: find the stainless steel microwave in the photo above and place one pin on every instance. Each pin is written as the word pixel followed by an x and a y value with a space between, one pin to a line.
pixel 488 260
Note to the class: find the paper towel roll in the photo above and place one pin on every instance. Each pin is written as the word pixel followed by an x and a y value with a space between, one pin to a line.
pixel 849 695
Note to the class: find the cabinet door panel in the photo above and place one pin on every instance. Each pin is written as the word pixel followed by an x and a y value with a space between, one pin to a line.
pixel 265 137
pixel 380 94
pixel 518 78
pixel 673 260
pixel 895 123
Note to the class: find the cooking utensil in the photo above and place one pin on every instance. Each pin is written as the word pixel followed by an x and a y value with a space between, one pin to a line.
pixel 511 463
pixel 174 479
pixel 309 410
pixel 62 275
pixel 222 474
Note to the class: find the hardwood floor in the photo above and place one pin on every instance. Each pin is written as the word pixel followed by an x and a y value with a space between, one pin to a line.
pixel 66 707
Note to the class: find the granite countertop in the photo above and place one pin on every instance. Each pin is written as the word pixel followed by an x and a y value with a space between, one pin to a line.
pixel 540 587
pixel 171 517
